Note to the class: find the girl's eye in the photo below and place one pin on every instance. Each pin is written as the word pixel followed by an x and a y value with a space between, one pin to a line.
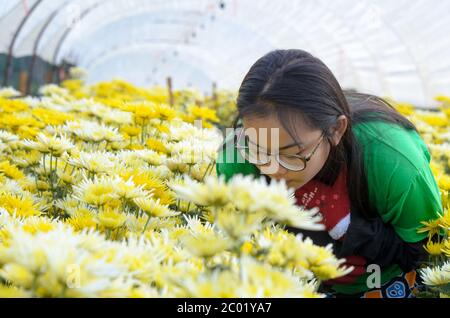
pixel 291 156
pixel 299 153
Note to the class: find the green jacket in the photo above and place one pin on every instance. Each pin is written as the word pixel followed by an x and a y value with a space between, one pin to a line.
pixel 401 185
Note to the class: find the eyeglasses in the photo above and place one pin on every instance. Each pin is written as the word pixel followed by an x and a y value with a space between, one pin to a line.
pixel 253 155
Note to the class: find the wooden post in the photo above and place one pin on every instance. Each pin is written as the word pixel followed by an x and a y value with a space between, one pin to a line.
pixel 169 87
pixel 214 94
pixel 61 74
pixel 49 77
pixel 23 80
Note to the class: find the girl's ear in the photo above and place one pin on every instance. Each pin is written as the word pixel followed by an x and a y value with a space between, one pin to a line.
pixel 339 129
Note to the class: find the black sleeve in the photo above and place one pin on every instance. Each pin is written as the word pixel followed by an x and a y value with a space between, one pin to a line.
pixel 379 244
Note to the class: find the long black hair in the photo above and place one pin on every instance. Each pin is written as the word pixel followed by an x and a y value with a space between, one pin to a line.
pixel 286 83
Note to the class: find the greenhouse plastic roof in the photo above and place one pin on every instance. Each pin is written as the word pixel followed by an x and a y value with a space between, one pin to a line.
pixel 396 48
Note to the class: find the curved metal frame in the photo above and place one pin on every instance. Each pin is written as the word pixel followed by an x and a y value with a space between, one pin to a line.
pixel 37 42
pixel 69 29
pixel 13 42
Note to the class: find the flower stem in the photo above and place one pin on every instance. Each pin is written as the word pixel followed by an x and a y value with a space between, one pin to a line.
pixel 146 224
pixel 43 163
pixel 51 164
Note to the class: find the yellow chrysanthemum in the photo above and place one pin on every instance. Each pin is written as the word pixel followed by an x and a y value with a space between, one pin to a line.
pixel 446 248
pixel 11 171
pixel 82 219
pixel 35 225
pixel 131 131
pixel 20 206
pixel 156 145
pixel 444 220
pixel 444 182
pixel 151 183
pixel 111 218
pixel 154 208
pixel 13 106
pixel 13 292
pixel 164 112
pixel 19 275
pixel 203 113
pixel 51 117
pixel 434 248
pixel 205 244
pixel 431 227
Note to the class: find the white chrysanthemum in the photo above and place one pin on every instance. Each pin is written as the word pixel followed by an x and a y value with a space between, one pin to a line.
pixel 142 257
pixel 112 116
pixel 151 157
pixel 65 263
pixel 95 162
pixel 82 105
pixel 436 276
pixel 128 190
pixel 140 157
pixel 213 192
pixel 7 137
pixel 181 131
pixel 52 89
pixel 55 145
pixel 3 147
pixel 194 151
pixel 153 207
pixel 96 192
pixel 261 280
pixel 200 170
pixel 33 102
pixel 93 132
pixel 8 92
pixel 276 200
pixel 77 72
pixel 58 103
pixel 12 186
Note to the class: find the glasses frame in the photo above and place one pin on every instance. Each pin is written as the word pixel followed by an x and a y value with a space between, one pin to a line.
pixel 305 159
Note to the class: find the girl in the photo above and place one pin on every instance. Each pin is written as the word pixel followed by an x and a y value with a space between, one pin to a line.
pixel 352 155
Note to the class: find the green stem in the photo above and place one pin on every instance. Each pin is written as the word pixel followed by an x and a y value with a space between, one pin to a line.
pixel 35 179
pixel 207 170
pixel 43 163
pixel 51 164
pixel 146 224
pixel 143 132
pixel 65 167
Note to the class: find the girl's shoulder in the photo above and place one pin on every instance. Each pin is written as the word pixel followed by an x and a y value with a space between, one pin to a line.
pixel 392 144
pixel 401 184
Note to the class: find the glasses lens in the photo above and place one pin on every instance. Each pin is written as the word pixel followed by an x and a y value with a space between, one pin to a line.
pixel 292 162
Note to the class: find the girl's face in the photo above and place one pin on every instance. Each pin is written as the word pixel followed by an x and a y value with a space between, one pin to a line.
pixel 308 138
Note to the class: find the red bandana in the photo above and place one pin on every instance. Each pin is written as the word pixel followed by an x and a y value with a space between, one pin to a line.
pixel 334 205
